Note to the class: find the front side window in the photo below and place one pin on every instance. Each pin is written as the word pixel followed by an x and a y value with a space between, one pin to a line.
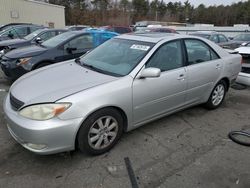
pixel 117 57
pixel 81 42
pixel 198 52
pixel 167 57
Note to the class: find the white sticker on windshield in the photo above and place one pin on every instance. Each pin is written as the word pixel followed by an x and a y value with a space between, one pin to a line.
pixel 139 47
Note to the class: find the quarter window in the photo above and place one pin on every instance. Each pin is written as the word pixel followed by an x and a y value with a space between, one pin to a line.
pixel 167 57
pixel 198 52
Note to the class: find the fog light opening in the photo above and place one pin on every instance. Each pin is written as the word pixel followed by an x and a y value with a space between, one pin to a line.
pixel 35 146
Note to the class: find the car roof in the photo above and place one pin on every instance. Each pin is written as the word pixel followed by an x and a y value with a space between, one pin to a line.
pixel 153 37
pixel 205 32
pixel 93 31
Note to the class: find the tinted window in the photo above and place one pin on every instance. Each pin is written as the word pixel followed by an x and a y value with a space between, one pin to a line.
pixel 214 38
pixel 198 52
pixel 222 38
pixel 167 57
pixel 82 42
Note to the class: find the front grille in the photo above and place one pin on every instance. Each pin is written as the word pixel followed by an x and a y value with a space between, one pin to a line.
pixel 15 103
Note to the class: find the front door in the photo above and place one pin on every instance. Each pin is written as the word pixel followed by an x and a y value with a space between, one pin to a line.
pixel 156 96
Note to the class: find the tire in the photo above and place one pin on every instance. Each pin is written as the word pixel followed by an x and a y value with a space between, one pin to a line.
pixel 232 135
pixel 212 103
pixel 93 133
pixel 40 65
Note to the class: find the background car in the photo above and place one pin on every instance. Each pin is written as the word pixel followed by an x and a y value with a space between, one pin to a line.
pixel 68 45
pixel 36 37
pixel 156 29
pixel 218 38
pixel 244 75
pixel 237 41
pixel 117 29
pixel 5 26
pixel 18 31
pixel 76 27
pixel 122 84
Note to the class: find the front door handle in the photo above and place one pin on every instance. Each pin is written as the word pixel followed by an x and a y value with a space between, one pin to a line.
pixel 218 66
pixel 181 77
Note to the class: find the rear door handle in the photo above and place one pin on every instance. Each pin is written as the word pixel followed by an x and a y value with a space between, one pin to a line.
pixel 181 77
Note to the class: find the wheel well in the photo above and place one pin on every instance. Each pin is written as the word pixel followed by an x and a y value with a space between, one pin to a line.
pixel 35 66
pixel 226 80
pixel 124 117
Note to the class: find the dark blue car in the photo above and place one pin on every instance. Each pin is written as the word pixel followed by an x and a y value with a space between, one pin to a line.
pixel 68 45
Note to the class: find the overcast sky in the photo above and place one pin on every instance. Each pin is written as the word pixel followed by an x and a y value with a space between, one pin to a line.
pixel 209 2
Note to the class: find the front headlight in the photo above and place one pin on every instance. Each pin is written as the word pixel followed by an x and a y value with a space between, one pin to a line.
pixel 23 61
pixel 44 111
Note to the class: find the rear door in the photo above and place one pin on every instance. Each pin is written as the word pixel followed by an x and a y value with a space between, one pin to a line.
pixel 204 68
pixel 156 96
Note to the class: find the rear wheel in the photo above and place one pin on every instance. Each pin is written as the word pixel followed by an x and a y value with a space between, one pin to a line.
pixel 217 96
pixel 100 131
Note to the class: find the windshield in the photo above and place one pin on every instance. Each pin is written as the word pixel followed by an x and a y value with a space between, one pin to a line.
pixel 55 41
pixel 242 37
pixel 117 56
pixel 33 35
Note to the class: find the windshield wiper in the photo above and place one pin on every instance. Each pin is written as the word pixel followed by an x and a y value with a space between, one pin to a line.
pixel 91 67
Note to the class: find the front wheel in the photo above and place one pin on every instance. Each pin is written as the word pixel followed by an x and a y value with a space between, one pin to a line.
pixel 100 131
pixel 217 96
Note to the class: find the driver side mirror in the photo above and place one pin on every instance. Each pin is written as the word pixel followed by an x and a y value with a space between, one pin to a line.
pixel 11 35
pixel 150 73
pixel 38 40
pixel 70 50
pixel 230 38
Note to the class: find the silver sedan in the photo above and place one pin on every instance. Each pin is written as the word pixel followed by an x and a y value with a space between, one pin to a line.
pixel 128 81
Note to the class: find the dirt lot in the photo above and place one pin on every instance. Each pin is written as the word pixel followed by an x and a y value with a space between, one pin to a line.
pixel 189 149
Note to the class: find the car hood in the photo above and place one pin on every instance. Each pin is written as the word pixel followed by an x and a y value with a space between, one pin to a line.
pixel 243 50
pixel 54 82
pixel 232 44
pixel 29 51
pixel 13 42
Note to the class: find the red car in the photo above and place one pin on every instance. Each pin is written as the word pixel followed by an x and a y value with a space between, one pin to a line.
pixel 117 29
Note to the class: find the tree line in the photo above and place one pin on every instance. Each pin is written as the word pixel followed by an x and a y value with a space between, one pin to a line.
pixel 127 12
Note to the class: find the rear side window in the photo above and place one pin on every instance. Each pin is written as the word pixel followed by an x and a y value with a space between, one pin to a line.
pixel 81 42
pixel 34 28
pixel 214 38
pixel 198 52
pixel 222 38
